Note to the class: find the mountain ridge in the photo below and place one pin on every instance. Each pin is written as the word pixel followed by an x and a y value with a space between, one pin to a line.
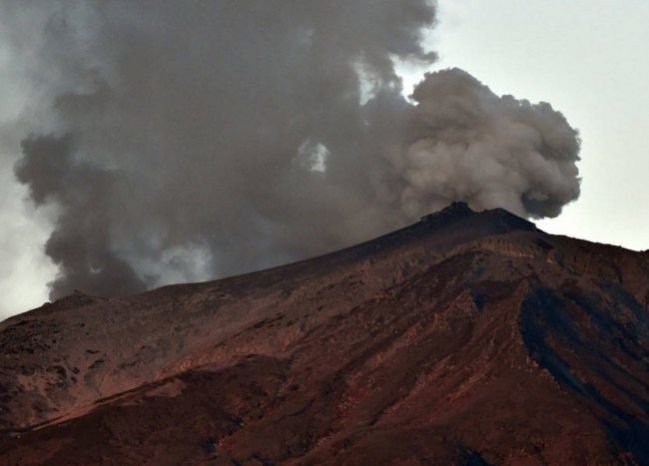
pixel 465 338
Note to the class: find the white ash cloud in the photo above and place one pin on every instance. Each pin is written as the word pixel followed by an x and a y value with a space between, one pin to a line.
pixel 181 142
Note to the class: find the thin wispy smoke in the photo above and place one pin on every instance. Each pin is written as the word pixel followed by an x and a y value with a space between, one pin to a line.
pixel 181 142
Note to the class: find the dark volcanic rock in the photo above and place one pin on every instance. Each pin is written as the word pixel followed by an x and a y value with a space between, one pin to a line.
pixel 467 338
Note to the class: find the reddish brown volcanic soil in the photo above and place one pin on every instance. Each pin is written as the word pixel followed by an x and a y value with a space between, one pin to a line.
pixel 467 338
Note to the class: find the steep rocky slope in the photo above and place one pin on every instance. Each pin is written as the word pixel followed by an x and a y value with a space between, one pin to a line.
pixel 467 338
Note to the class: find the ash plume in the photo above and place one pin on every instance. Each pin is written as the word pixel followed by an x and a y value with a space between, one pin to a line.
pixel 182 142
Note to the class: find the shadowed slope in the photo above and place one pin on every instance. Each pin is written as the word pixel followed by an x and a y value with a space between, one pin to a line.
pixel 467 338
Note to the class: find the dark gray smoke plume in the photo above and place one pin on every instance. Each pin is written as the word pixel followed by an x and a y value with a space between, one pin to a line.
pixel 186 140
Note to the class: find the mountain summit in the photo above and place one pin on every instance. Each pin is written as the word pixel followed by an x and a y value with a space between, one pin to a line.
pixel 468 338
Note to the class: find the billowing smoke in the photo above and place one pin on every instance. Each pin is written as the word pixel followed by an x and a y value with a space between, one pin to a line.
pixel 466 143
pixel 180 141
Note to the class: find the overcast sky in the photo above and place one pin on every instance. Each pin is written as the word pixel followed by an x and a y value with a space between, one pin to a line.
pixel 589 59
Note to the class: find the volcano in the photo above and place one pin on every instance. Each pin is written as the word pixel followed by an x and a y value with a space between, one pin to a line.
pixel 468 338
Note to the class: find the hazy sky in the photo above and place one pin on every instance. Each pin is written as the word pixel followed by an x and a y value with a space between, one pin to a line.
pixel 589 59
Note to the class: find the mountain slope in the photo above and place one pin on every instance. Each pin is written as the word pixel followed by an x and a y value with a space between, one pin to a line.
pixel 467 338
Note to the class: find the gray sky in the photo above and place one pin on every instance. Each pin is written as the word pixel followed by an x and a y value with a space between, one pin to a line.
pixel 587 58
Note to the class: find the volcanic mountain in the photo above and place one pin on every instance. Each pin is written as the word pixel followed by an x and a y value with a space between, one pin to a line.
pixel 465 339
